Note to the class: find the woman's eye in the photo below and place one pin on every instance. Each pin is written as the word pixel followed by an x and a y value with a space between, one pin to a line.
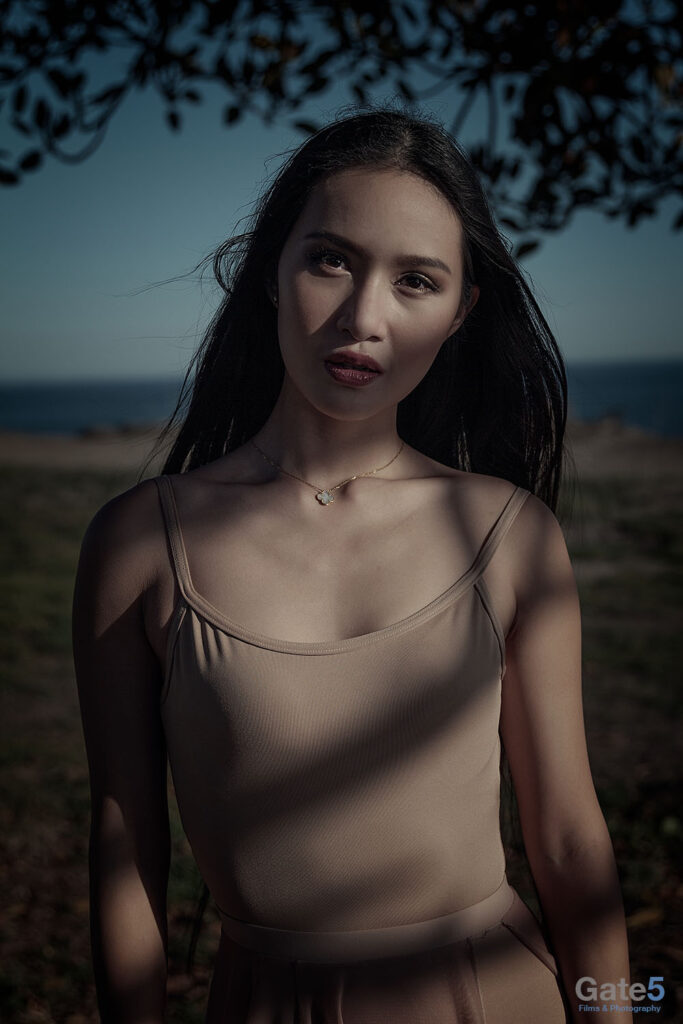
pixel 326 258
pixel 417 283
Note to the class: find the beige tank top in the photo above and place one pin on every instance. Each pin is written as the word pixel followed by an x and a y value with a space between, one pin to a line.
pixel 341 785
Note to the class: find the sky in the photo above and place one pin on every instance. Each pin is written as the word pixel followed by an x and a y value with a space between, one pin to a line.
pixel 82 244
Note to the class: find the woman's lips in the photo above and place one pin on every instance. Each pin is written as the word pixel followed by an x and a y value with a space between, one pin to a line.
pixel 356 360
pixel 357 369
pixel 352 376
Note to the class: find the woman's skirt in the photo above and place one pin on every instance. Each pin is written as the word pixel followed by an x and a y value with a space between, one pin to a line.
pixel 488 964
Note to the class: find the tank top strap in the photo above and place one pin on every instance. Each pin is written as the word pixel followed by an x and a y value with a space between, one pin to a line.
pixel 498 530
pixel 174 534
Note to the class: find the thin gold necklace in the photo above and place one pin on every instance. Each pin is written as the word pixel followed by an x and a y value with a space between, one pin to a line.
pixel 324 494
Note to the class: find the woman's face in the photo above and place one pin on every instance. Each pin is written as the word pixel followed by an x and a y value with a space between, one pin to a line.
pixel 373 266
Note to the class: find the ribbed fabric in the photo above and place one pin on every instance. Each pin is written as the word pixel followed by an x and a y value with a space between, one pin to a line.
pixel 352 787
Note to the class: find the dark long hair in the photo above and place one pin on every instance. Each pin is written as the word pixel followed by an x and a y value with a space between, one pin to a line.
pixel 493 401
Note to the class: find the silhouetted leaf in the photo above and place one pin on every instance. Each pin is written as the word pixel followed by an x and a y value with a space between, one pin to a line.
pixel 409 13
pixel 110 94
pixel 173 120
pixel 637 211
pixel 31 160
pixel 405 90
pixel 638 149
pixel 272 80
pixel 61 126
pixel 509 223
pixel 8 177
pixel 525 248
pixel 41 114
pixel 63 83
pixel 231 114
pixel 317 85
pixel 678 223
pixel 223 72
pixel 306 126
pixel 19 99
pixel 261 42
pixel 20 126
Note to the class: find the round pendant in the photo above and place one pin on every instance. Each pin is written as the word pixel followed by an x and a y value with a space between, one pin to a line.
pixel 324 497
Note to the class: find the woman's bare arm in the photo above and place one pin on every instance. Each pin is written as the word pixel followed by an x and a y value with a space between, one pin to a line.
pixel 119 683
pixel 565 835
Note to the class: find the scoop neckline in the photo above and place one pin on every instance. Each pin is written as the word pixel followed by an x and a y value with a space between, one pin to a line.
pixel 206 610
pixel 202 607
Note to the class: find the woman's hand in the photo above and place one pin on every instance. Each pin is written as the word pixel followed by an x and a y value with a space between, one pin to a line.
pixel 119 681
pixel 542 728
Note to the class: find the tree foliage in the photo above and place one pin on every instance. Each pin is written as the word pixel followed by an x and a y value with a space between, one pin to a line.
pixel 577 104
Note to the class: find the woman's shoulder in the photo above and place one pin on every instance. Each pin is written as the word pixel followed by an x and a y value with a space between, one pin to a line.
pixel 196 489
pixel 534 525
pixel 533 554
pixel 126 512
pixel 125 537
pixel 531 561
pixel 483 492
pixel 133 525
pixel 534 533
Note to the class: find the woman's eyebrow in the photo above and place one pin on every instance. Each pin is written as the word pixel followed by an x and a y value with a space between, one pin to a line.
pixel 409 260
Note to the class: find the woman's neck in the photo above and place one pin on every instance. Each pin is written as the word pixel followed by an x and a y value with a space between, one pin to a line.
pixel 325 450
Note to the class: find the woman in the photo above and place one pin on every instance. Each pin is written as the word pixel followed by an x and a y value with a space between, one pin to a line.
pixel 346 589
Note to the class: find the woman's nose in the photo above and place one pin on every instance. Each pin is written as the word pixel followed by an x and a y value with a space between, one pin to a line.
pixel 363 313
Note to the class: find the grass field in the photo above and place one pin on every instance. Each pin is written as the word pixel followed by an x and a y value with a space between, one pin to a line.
pixel 626 540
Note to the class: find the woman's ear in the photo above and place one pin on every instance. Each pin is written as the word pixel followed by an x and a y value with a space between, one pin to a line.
pixel 466 308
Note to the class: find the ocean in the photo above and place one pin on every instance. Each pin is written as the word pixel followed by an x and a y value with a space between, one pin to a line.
pixel 648 395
